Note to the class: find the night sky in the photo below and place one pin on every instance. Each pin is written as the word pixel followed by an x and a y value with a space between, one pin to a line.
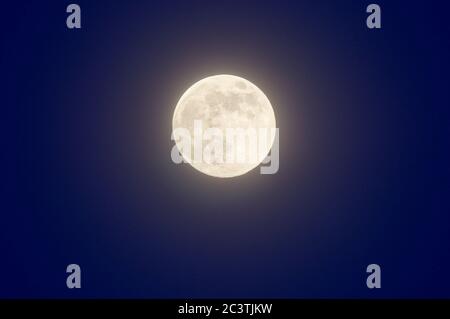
pixel 364 119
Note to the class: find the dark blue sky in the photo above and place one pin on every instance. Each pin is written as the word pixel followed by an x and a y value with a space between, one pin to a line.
pixel 364 151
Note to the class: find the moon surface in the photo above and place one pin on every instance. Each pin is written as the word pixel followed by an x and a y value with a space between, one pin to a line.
pixel 222 102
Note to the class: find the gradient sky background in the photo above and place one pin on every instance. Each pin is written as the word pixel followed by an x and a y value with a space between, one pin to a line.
pixel 364 151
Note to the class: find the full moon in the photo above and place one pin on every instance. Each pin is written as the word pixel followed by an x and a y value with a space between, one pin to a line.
pixel 223 102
